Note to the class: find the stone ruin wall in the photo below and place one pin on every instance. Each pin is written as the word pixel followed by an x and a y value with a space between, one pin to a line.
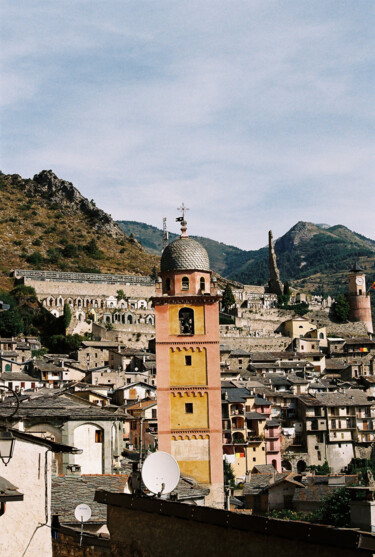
pixel 321 319
pixel 133 336
pixel 256 344
pixel 87 289
pixel 92 296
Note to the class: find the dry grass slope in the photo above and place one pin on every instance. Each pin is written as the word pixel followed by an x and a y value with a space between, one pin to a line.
pixel 38 233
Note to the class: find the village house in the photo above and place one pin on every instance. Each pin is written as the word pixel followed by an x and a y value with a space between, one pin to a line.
pixel 337 426
pixel 26 523
pixel 65 418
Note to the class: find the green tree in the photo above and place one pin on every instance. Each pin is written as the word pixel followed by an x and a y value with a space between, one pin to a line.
pixel 11 323
pixel 35 258
pixel 154 274
pixel 229 478
pixel 120 295
pixel 70 250
pixel 335 509
pixel 23 293
pixel 286 289
pixel 66 317
pixel 321 469
pixel 341 309
pixel 283 300
pixel 53 255
pixel 228 299
pixel 92 249
pixel 7 298
pixel 61 344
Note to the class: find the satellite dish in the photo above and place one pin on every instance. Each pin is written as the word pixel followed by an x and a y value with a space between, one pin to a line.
pixel 160 473
pixel 82 513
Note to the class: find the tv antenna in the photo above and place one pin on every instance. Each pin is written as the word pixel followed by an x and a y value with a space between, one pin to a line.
pixel 165 233
pixel 83 514
pixel 160 473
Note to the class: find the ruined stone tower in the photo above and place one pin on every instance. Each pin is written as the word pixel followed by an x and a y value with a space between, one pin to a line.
pixel 275 286
pixel 359 299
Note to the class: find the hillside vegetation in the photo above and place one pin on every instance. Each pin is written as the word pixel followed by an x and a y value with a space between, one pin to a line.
pixel 45 223
pixel 314 258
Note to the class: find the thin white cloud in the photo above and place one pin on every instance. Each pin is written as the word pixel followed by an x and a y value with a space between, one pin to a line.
pixel 256 114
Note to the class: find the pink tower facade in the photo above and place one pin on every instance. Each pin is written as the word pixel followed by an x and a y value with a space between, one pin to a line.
pixel 188 364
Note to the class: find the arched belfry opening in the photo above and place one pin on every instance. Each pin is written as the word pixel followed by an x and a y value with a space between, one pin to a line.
pixel 185 283
pixel 186 317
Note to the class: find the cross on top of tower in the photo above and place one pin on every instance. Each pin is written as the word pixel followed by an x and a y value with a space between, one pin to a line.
pixel 182 220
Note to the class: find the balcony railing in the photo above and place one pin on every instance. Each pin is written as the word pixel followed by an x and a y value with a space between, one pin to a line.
pixel 255 439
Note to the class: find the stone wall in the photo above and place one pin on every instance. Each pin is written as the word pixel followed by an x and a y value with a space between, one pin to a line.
pixel 66 544
pixel 156 528
pixel 133 336
pixel 321 318
pixel 253 344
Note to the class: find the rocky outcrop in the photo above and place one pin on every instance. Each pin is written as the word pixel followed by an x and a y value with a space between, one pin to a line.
pixel 49 186
pixel 299 234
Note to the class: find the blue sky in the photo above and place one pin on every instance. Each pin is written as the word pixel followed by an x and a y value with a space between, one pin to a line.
pixel 256 114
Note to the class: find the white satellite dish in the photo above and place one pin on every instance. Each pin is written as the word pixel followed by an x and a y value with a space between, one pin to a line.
pixel 160 473
pixel 82 513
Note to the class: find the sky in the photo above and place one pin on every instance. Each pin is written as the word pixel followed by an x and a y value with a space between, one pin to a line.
pixel 256 114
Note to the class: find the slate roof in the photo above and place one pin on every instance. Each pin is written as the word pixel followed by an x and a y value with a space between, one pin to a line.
pixel 238 353
pixel 352 397
pixel 236 394
pixel 58 407
pixel 70 491
pixel 255 416
pixel 187 487
pixel 260 481
pixel 99 344
pixel 260 401
pixel 9 491
pixel 277 379
pixel 359 341
pixel 17 376
pixel 335 365
pixel 184 254
pixel 313 493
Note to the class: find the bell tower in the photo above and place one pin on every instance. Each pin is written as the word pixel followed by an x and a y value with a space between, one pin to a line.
pixel 188 363
pixel 359 299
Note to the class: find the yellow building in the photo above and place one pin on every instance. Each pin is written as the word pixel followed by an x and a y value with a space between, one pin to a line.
pixel 297 327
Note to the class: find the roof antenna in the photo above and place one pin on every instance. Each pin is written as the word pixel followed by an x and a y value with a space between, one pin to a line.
pixel 182 220
pixel 165 234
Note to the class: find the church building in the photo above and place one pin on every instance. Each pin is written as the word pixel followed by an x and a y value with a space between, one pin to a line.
pixel 188 364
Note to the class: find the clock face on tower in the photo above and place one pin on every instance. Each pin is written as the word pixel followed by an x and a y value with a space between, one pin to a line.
pixel 359 281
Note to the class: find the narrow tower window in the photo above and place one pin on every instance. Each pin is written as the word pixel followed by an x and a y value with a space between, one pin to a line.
pixel 186 317
pixel 168 284
pixel 185 283
pixel 188 408
pixel 188 360
pixel 203 284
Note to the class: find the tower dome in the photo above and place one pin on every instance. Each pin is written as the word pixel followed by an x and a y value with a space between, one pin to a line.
pixel 184 254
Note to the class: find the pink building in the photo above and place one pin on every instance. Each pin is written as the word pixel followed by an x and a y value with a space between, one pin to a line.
pixel 273 433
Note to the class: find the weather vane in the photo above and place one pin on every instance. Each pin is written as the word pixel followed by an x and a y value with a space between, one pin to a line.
pixel 182 219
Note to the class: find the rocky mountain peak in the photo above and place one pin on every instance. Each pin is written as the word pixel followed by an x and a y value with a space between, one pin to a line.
pixel 62 192
pixel 298 234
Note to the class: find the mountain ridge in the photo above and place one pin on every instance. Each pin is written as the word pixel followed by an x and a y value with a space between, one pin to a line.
pixel 46 223
pixel 309 256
